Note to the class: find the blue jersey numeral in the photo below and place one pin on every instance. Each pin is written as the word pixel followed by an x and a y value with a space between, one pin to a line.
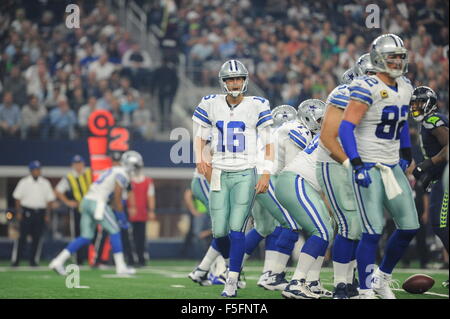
pixel 209 97
pixel 261 99
pixel 234 132
pixel 392 120
pixel 370 81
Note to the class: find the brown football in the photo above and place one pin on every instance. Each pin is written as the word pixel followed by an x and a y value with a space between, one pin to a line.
pixel 418 284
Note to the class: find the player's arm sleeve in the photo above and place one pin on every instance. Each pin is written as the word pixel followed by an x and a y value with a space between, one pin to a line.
pixel 122 181
pixel 201 115
pixel 360 91
pixel 348 140
pixel 264 116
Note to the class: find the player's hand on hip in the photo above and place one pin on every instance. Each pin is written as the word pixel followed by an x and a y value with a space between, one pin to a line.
pixel 263 184
pixel 204 168
pixel 362 177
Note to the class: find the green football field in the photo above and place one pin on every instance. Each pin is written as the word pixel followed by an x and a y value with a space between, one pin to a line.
pixel 164 280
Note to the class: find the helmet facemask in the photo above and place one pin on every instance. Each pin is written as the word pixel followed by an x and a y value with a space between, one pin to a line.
pixel 235 93
pixel 233 69
pixel 388 50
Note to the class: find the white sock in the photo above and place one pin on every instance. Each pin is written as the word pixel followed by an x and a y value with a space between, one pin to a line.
pixel 244 260
pixel 270 259
pixel 351 271
pixel 221 266
pixel 280 263
pixel 340 272
pixel 119 261
pixel 304 264
pixel 314 272
pixel 208 259
pixel 63 256
pixel 233 275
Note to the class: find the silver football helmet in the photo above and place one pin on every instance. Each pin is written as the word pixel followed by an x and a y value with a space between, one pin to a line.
pixel 233 69
pixel 283 113
pixel 310 113
pixel 132 161
pixel 348 76
pixel 389 49
pixel 364 65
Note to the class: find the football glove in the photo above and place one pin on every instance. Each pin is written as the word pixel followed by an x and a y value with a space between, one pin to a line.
pixel 421 168
pixel 122 219
pixel 362 177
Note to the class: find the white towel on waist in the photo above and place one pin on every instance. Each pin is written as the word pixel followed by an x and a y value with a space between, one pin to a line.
pixel 390 182
pixel 215 179
pixel 99 210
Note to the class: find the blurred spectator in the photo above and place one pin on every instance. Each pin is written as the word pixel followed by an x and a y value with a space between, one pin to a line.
pixel 33 114
pixel 102 68
pixel 128 106
pixel 84 113
pixel 9 116
pixel 124 90
pixel 62 121
pixel 136 65
pixel 141 121
pixel 39 81
pixel 165 85
pixel 17 85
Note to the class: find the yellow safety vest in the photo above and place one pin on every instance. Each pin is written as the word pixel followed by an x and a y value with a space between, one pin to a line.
pixel 80 185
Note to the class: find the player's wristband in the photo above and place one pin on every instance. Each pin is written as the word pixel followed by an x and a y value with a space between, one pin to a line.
pixel 406 154
pixel 357 162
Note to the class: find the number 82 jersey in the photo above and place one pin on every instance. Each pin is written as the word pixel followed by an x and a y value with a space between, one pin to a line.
pixel 378 134
pixel 233 130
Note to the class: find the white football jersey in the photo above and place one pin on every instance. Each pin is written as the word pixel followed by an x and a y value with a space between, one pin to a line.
pixel 104 186
pixel 378 133
pixel 339 98
pixel 233 130
pixel 304 164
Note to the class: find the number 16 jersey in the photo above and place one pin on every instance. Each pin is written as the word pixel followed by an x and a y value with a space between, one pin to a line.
pixel 378 133
pixel 233 129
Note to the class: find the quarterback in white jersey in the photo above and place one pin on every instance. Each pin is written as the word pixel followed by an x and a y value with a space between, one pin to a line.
pixel 94 210
pixel 234 121
pixel 374 132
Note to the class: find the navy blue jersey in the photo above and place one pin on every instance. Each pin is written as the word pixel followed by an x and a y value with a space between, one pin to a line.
pixel 430 144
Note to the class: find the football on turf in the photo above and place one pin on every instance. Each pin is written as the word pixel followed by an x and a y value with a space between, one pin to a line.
pixel 418 284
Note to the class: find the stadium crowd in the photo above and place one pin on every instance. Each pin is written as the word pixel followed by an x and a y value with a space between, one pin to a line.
pixel 53 77
pixel 296 50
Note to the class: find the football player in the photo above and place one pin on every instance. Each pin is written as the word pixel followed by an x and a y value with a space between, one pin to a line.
pixel 434 142
pixel 233 120
pixel 337 187
pixel 94 210
pixel 298 191
pixel 373 132
pixel 272 221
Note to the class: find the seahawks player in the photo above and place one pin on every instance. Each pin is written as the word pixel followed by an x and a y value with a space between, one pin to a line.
pixel 373 132
pixel 298 191
pixel 234 121
pixel 94 210
pixel 434 142
pixel 334 182
pixel 272 221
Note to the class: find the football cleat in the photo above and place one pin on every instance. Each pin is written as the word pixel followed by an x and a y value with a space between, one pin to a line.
pixel 445 284
pixel 200 277
pixel 217 280
pixel 275 282
pixel 263 278
pixel 57 267
pixel 230 289
pixel 241 281
pixel 125 271
pixel 298 289
pixel 367 294
pixel 352 289
pixel 317 288
pixel 341 291
pixel 381 283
